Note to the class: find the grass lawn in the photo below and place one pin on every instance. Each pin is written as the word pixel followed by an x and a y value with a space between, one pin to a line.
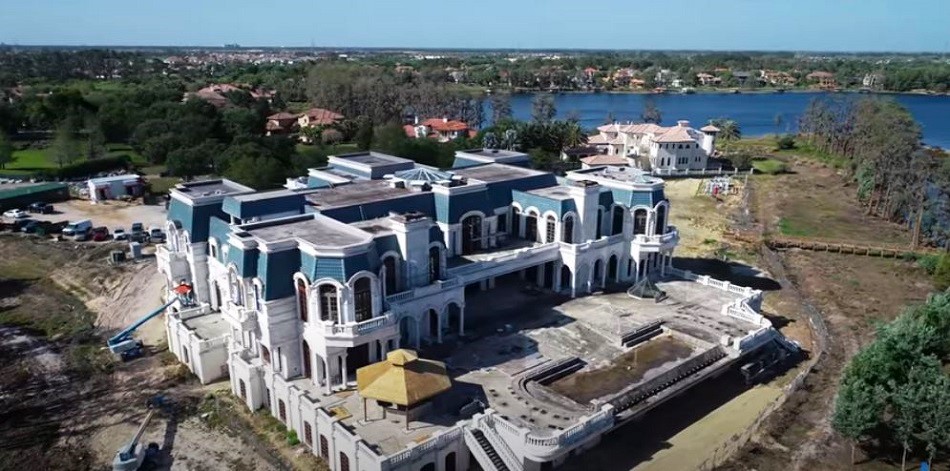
pixel 161 185
pixel 33 159
pixel 769 166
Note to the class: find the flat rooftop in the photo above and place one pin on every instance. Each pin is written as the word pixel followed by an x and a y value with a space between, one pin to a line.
pixel 265 195
pixel 208 326
pixel 211 188
pixel 355 193
pixel 495 172
pixel 623 174
pixel 378 226
pixel 314 229
pixel 371 159
pixel 557 192
pixel 493 153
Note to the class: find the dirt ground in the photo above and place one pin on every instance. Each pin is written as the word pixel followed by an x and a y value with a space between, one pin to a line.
pixel 65 401
pixel 112 214
pixel 852 294
pixel 700 219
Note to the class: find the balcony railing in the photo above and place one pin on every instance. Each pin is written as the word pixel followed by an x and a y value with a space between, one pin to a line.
pixel 421 291
pixel 359 328
pixel 671 235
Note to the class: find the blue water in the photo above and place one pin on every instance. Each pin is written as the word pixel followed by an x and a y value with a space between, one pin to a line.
pixel 755 113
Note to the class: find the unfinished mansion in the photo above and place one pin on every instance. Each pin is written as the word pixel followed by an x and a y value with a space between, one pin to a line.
pixel 296 289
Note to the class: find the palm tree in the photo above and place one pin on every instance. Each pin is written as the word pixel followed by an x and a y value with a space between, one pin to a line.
pixel 728 129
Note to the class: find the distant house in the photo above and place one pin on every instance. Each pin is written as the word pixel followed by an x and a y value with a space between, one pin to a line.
pixel 872 81
pixel 822 79
pixel 776 78
pixel 664 77
pixel 604 160
pixel 280 123
pixel 216 94
pixel 679 147
pixel 708 80
pixel 441 129
pixel 742 77
pixel 316 117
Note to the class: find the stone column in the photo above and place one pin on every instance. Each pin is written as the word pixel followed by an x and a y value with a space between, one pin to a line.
pixel 343 367
pixel 462 319
pixel 438 328
pixel 326 374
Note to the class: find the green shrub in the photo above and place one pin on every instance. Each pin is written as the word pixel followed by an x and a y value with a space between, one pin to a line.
pixel 786 142
pixel 292 439
pixel 941 274
pixel 90 167
pixel 929 263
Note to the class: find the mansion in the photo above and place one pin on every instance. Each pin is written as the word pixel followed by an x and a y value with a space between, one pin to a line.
pixel 653 147
pixel 296 289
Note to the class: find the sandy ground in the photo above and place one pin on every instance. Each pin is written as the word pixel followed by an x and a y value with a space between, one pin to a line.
pixel 130 297
pixel 700 219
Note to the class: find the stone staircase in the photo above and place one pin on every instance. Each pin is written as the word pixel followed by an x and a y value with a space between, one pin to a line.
pixel 483 451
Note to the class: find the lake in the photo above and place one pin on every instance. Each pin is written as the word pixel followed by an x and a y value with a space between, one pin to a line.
pixel 755 112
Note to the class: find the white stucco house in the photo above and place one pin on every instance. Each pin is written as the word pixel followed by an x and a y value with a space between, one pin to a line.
pixel 655 147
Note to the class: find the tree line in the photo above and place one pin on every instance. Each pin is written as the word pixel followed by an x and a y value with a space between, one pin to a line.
pixel 895 392
pixel 879 143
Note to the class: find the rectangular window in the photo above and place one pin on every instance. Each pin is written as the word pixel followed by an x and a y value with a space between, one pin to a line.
pixel 502 223
pixel 282 410
pixel 277 361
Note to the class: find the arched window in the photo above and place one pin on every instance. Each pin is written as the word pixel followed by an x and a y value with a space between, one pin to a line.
pixel 551 230
pixel 307 370
pixel 660 220
pixel 212 249
pixel 568 230
pixel 363 298
pixel 302 300
pixel 344 462
pixel 234 286
pixel 389 275
pixel 640 221
pixel 515 222
pixel 435 264
pixel 265 354
pixel 329 302
pixel 617 220
pixel 257 296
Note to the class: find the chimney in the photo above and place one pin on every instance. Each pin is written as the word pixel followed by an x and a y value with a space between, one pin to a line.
pixel 445 120
pixel 416 118
pixel 682 123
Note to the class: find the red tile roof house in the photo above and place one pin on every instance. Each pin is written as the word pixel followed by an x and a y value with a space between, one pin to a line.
pixel 441 129
pixel 824 79
pixel 280 123
pixel 315 117
pixel 216 93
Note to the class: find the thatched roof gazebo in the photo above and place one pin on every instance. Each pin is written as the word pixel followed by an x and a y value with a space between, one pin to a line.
pixel 402 381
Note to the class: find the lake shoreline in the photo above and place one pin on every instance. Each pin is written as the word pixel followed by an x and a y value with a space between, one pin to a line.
pixel 727 92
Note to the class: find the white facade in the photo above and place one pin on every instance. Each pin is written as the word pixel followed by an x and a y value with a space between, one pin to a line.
pixel 679 147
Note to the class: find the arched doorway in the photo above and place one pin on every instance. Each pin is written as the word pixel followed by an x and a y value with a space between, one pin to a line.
pixel 428 467
pixel 453 318
pixel 307 371
pixel 597 273
pixel 566 277
pixel 550 230
pixel 471 234
pixel 568 230
pixel 435 264
pixel 612 273
pixel 407 331
pixel 389 275
pixel 515 222
pixel 450 462
pixel 363 299
pixel 433 316
pixel 617 227
pixel 531 227
pixel 302 299
pixel 640 221
pixel 329 302
pixel 660 220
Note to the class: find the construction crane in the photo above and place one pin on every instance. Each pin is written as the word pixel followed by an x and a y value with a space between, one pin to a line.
pixel 131 456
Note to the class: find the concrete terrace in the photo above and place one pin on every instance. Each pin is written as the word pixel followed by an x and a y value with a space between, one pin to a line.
pixel 208 326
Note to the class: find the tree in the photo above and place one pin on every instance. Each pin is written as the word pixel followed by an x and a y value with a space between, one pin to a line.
pixel 65 147
pixel 242 123
pixel 542 108
pixel 331 136
pixel 728 129
pixel 6 150
pixel 500 107
pixel 193 161
pixel 364 134
pixel 650 113
pixel 96 139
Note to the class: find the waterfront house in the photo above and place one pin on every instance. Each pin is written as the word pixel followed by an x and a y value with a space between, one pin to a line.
pixel 822 79
pixel 440 129
pixel 661 148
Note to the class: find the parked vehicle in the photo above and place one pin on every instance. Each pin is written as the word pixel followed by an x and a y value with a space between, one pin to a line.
pixel 78 229
pixel 101 234
pixel 15 214
pixel 30 226
pixel 138 233
pixel 119 234
pixel 156 235
pixel 42 208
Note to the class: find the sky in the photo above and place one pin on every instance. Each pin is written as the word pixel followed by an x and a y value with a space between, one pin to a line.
pixel 796 25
